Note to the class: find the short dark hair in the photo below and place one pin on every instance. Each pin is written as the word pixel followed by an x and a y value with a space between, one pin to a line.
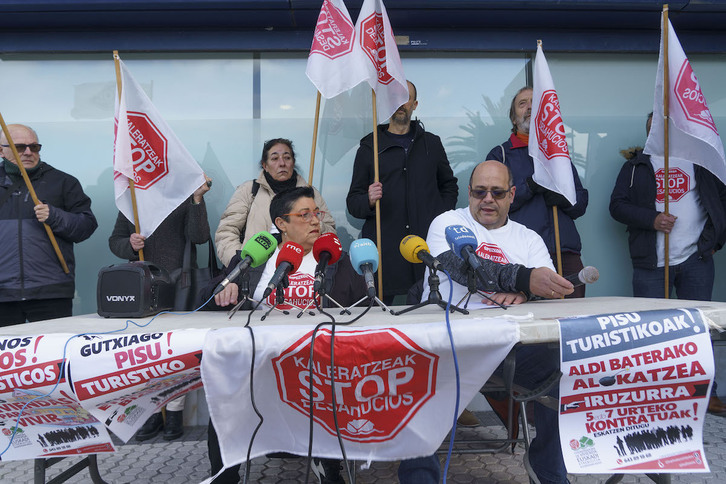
pixel 272 142
pixel 282 202
pixel 512 114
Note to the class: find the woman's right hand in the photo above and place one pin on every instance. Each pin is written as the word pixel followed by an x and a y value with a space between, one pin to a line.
pixel 227 296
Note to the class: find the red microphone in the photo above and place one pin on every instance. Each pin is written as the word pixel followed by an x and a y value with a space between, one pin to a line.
pixel 288 260
pixel 326 250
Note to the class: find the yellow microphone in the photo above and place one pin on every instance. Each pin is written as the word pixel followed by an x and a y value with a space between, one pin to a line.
pixel 414 249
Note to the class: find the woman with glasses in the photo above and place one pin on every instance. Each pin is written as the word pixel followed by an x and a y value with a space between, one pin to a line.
pixel 248 211
pixel 298 217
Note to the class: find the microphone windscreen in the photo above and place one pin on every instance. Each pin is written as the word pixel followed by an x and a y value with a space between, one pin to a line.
pixel 458 237
pixel 589 274
pixel 259 248
pixel 292 253
pixel 410 247
pixel 328 242
pixel 363 251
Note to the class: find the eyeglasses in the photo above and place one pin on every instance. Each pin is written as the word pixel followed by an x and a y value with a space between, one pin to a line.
pixel 308 216
pixel 34 147
pixel 497 193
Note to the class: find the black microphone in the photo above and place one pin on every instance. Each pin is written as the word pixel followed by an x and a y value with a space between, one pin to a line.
pixel 288 260
pixel 587 275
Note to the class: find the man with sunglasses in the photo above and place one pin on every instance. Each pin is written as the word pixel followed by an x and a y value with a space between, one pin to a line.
pixel 533 205
pixel 33 285
pixel 508 250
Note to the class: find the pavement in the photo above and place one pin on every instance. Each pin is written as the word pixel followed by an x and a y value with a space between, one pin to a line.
pixel 185 461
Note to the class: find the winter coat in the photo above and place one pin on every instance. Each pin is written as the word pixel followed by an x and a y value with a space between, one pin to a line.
pixel 251 213
pixel 29 266
pixel 633 204
pixel 417 187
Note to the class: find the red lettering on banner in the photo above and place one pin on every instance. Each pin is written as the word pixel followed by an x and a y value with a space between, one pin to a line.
pixel 690 98
pixel 382 379
pixel 148 150
pixel 373 42
pixel 679 183
pixel 334 33
pixel 299 293
pixel 549 127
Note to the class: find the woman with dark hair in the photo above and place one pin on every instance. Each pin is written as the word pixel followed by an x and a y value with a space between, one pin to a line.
pixel 248 210
pixel 298 217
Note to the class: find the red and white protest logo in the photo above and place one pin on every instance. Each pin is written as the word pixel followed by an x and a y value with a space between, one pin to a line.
pixel 678 184
pixel 492 252
pixel 334 33
pixel 373 41
pixel 382 379
pixel 148 150
pixel 299 293
pixel 549 127
pixel 690 98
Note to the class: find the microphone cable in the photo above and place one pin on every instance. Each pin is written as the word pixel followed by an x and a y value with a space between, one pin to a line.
pixel 456 371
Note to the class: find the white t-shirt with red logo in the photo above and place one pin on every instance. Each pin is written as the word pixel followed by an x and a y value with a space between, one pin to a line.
pixel 300 290
pixel 685 204
pixel 513 243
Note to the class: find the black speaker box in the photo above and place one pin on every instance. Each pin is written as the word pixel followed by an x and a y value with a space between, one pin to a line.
pixel 133 290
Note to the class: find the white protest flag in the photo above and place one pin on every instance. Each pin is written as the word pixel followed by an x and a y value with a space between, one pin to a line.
pixel 693 136
pixel 385 73
pixel 147 151
pixel 547 142
pixel 334 65
pixel 394 386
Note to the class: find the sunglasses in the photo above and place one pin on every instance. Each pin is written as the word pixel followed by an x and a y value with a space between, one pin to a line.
pixel 21 147
pixel 308 216
pixel 497 193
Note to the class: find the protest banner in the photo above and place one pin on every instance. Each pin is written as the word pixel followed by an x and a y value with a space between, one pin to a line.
pixel 634 392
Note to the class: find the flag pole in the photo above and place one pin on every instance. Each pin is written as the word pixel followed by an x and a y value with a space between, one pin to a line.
pixel 666 114
pixel 132 186
pixel 315 140
pixel 28 184
pixel 378 202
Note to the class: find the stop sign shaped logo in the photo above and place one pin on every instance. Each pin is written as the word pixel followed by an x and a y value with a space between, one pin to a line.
pixel 689 96
pixel 374 45
pixel 382 378
pixel 678 184
pixel 148 151
pixel 549 127
pixel 492 252
pixel 333 34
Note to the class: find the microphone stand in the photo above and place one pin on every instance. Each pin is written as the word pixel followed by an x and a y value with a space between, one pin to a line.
pixel 279 297
pixel 374 298
pixel 471 285
pixel 244 290
pixel 323 293
pixel 434 297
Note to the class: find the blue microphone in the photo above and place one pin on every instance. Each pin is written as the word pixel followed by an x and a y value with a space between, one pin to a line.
pixel 463 243
pixel 364 258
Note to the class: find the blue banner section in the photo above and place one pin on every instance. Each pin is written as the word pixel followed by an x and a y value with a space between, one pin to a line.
pixel 591 336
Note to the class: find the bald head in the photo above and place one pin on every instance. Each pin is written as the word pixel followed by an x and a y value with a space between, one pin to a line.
pixel 490 193
pixel 22 136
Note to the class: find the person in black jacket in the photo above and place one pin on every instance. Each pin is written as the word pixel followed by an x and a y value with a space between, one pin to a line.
pixel 416 184
pixel 696 223
pixel 33 284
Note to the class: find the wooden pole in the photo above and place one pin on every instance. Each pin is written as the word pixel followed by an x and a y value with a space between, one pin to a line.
pixel 378 202
pixel 28 184
pixel 132 186
pixel 558 249
pixel 315 140
pixel 666 148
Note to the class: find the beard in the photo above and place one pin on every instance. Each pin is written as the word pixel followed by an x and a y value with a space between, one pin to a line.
pixel 401 116
pixel 523 125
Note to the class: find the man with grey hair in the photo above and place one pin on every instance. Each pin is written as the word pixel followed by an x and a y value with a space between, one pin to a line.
pixel 33 285
pixel 533 205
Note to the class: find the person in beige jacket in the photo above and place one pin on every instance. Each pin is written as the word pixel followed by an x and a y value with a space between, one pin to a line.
pixel 248 211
